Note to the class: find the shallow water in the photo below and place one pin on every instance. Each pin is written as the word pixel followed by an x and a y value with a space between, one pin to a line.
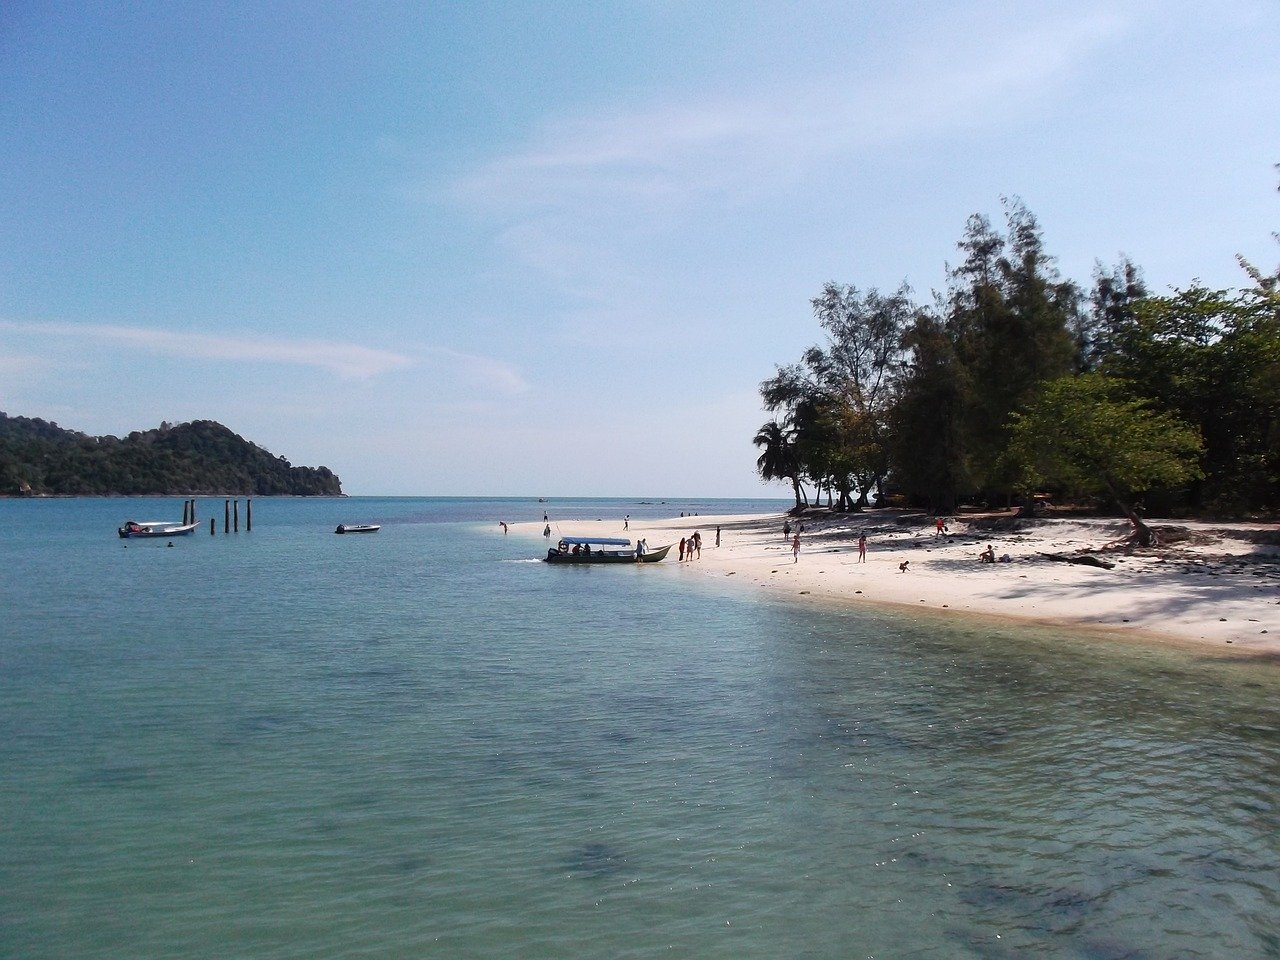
pixel 417 743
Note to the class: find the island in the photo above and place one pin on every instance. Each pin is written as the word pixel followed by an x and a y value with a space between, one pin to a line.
pixel 200 458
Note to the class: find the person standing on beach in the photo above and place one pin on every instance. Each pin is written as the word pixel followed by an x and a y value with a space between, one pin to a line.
pixel 862 548
pixel 786 529
pixel 546 531
pixel 717 536
pixel 682 541
pixel 697 542
pixel 626 522
pixel 795 548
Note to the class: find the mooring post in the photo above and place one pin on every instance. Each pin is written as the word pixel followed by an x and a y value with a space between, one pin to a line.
pixel 193 511
pixel 235 514
pixel 248 515
pixel 226 516
pixel 186 509
pixel 213 527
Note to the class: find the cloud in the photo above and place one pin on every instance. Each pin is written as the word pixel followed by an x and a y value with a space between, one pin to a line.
pixel 951 76
pixel 17 364
pixel 473 369
pixel 346 360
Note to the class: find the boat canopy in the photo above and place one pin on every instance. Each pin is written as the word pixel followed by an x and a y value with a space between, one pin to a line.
pixel 603 541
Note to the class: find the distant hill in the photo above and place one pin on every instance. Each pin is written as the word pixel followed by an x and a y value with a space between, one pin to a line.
pixel 198 458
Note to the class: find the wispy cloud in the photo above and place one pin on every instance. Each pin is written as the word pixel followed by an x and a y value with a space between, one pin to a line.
pixel 346 360
pixel 582 177
pixel 15 364
pixel 478 371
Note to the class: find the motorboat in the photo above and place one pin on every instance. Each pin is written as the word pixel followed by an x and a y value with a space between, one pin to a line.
pixel 602 550
pixel 155 528
pixel 358 528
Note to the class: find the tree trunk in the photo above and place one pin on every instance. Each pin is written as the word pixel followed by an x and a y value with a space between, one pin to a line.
pixel 1142 535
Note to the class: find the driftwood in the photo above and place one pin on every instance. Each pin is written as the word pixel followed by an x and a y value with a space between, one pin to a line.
pixel 1085 561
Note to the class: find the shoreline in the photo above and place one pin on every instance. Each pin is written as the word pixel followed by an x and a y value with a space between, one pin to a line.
pixel 1213 588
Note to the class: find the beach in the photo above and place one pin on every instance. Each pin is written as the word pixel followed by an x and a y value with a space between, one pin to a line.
pixel 1209 585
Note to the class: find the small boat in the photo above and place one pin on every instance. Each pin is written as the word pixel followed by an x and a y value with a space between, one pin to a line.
pixel 595 550
pixel 154 528
pixel 358 528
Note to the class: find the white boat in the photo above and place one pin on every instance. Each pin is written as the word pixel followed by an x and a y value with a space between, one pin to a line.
pixel 155 528
pixel 593 550
pixel 358 528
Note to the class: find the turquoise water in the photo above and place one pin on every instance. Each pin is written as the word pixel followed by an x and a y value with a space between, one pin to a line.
pixel 422 743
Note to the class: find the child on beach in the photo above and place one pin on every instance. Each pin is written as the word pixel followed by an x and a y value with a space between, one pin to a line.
pixel 795 549
pixel 862 548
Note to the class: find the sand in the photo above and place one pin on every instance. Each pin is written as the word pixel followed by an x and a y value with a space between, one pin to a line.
pixel 1209 585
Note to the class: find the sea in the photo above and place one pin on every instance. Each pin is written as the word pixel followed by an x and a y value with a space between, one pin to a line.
pixel 423 742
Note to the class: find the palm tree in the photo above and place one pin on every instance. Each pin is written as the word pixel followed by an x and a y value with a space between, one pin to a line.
pixel 778 461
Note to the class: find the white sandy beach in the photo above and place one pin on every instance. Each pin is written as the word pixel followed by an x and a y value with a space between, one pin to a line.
pixel 1211 585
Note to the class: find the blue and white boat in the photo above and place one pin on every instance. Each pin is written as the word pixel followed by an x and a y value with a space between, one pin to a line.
pixel 596 550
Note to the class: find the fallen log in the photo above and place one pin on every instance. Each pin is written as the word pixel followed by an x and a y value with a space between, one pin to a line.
pixel 1084 561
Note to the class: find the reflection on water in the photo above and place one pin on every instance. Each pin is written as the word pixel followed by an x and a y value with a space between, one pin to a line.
pixel 411 746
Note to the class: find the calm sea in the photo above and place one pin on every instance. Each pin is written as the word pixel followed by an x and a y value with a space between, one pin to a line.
pixel 424 743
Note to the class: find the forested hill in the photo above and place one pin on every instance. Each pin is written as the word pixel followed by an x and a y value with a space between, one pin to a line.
pixel 198 458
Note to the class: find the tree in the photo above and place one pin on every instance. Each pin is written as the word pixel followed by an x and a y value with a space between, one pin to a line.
pixel 836 400
pixel 858 372
pixel 1212 358
pixel 929 461
pixel 778 459
pixel 1111 308
pixel 1010 316
pixel 1086 435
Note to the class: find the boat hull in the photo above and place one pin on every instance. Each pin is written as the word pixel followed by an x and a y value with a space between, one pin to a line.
pixel 358 528
pixel 610 556
pixel 156 530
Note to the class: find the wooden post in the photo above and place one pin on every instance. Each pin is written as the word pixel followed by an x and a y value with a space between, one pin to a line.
pixel 186 507
pixel 248 515
pixel 235 513
pixel 193 511
pixel 212 526
pixel 226 516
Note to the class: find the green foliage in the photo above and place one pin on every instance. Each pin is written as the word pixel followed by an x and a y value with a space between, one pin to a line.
pixel 1085 435
pixel 929 456
pixel 778 460
pixel 1212 357
pixel 836 400
pixel 1009 316
pixel 202 457
pixel 1014 378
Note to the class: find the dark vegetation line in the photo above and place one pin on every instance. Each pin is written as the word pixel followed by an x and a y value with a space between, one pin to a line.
pixel 38 458
pixel 1014 381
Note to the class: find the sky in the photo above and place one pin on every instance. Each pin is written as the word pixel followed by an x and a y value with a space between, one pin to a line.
pixel 551 249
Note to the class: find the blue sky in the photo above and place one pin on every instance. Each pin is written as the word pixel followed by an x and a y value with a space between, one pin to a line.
pixel 551 249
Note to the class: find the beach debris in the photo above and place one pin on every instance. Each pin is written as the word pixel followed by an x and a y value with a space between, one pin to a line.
pixel 1087 561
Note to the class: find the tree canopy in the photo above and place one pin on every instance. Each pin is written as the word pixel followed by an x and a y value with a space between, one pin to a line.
pixel 198 458
pixel 1014 377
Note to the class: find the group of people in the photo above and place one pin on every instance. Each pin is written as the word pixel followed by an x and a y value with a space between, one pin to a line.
pixel 691 545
